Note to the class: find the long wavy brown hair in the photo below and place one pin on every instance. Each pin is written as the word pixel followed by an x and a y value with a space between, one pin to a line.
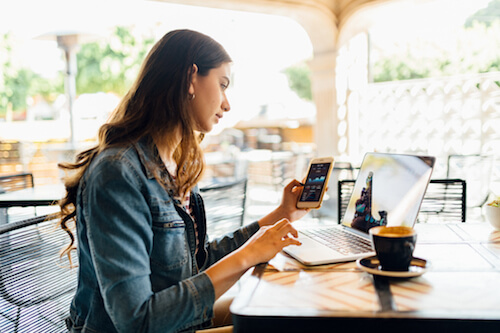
pixel 156 106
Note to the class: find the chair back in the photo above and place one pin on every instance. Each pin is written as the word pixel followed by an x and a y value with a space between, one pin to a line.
pixel 476 170
pixel 224 206
pixel 16 182
pixel 444 200
pixel 344 191
pixel 36 285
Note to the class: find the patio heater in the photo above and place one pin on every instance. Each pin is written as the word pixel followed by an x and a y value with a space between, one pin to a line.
pixel 69 42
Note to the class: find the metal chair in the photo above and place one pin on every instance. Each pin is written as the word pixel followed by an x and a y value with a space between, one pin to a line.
pixel 341 170
pixel 36 285
pixel 224 206
pixel 16 182
pixel 444 200
pixel 476 170
pixel 344 191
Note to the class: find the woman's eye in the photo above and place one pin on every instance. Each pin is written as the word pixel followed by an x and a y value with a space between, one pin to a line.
pixel 223 86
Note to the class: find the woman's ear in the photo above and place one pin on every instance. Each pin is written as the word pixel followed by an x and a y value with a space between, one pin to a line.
pixel 194 74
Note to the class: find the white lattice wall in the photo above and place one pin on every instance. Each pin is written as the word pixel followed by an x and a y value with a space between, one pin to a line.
pixel 438 116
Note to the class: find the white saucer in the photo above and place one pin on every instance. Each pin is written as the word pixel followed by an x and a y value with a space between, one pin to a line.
pixel 372 265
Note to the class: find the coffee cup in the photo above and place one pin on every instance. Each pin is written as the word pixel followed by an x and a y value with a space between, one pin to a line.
pixel 394 246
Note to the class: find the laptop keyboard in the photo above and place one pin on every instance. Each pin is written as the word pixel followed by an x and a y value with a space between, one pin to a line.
pixel 339 240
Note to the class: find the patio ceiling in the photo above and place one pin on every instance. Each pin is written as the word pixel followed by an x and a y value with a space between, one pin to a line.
pixel 326 21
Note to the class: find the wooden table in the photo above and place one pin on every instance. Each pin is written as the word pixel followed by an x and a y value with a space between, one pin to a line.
pixel 459 292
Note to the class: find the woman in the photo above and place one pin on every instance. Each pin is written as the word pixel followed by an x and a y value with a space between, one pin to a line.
pixel 145 264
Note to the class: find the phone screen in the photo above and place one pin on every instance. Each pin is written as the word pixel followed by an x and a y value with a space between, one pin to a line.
pixel 315 182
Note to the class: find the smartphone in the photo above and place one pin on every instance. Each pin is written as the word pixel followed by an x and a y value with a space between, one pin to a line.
pixel 316 183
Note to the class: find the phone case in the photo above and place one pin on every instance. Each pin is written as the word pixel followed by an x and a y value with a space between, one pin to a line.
pixel 318 175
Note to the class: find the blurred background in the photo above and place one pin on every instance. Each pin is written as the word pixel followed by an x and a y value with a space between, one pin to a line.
pixel 401 76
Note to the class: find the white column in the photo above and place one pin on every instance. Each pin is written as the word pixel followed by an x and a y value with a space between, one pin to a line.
pixel 322 68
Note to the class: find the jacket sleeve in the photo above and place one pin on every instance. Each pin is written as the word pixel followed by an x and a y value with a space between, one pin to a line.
pixel 220 247
pixel 224 245
pixel 119 227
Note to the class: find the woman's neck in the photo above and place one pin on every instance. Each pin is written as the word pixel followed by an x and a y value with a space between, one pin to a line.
pixel 166 151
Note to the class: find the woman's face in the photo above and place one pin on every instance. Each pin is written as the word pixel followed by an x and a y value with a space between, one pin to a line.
pixel 210 100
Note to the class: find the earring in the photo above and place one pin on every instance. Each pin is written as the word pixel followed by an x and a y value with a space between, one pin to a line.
pixel 191 97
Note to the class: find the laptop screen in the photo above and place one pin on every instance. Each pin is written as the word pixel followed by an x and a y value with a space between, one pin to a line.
pixel 388 191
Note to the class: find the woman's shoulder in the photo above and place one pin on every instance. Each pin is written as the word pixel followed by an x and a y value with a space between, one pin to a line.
pixel 117 155
pixel 115 161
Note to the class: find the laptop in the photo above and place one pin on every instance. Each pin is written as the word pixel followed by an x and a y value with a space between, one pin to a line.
pixel 388 191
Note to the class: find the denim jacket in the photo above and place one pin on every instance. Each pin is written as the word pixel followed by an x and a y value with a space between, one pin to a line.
pixel 137 266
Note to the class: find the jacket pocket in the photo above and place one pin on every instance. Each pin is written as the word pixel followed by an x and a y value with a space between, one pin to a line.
pixel 170 250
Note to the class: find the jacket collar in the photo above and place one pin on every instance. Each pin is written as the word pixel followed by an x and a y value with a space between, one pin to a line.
pixel 149 157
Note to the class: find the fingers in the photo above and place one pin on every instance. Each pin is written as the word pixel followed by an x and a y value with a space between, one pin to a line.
pixel 282 223
pixel 292 184
pixel 290 241
pixel 284 227
pixel 270 240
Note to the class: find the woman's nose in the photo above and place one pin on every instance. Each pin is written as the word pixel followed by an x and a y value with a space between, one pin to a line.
pixel 225 105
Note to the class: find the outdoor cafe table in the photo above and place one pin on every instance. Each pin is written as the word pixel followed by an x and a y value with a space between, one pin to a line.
pixel 43 195
pixel 460 290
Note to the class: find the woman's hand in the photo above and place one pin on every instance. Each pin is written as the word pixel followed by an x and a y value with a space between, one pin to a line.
pixel 288 206
pixel 269 241
pixel 261 247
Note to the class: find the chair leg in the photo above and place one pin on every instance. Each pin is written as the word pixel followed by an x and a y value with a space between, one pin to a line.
pixel 18 316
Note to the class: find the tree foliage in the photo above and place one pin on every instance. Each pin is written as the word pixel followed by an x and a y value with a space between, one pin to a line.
pixel 299 80
pixel 107 66
pixel 481 28
pixel 111 65
pixel 476 52
pixel 485 16
pixel 17 83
